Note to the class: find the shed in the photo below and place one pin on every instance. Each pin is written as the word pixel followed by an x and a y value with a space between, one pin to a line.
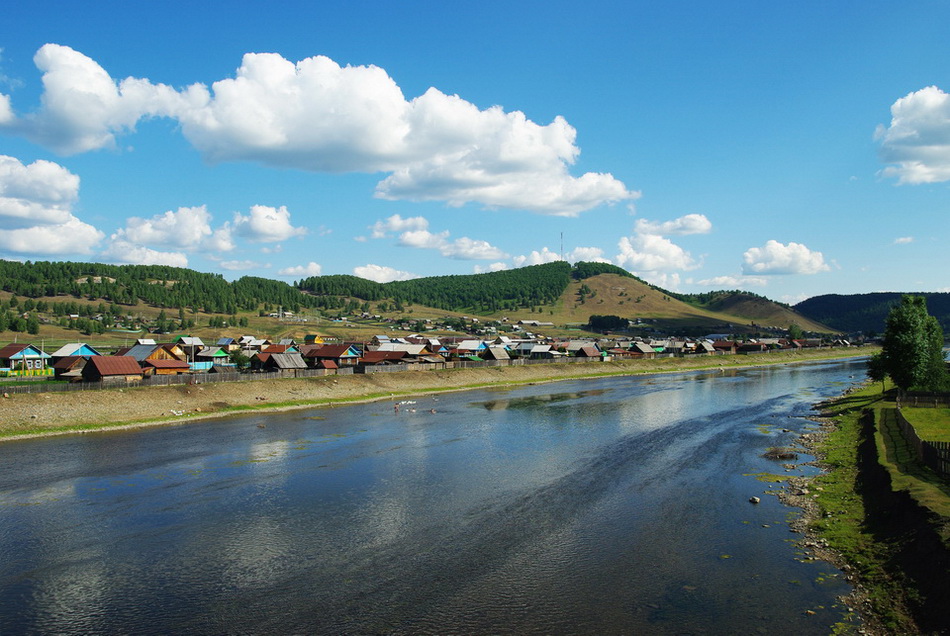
pixel 112 369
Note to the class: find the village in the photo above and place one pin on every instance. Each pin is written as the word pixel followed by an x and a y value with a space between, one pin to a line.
pixel 188 359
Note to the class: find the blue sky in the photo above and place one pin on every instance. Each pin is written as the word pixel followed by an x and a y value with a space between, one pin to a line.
pixel 791 150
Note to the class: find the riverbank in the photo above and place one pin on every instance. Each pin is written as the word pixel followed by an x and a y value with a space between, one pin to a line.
pixel 31 415
pixel 893 549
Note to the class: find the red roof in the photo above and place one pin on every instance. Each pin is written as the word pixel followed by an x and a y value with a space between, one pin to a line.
pixel 376 357
pixel 115 365
pixel 11 350
pixel 67 362
pixel 329 351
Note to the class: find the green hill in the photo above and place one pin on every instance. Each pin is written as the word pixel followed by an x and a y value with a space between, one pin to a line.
pixel 554 292
pixel 867 312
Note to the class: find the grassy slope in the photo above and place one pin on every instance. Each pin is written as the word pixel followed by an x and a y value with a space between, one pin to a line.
pixel 871 543
pixel 613 295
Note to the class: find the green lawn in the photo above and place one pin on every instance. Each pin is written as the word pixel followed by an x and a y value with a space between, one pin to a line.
pixel 932 425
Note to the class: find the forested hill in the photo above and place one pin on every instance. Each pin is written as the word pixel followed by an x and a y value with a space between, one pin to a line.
pixel 156 285
pixel 506 290
pixel 867 312
pixel 176 287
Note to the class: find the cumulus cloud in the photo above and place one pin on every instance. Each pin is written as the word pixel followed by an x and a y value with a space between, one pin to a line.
pixel 536 257
pixel 265 224
pixel 546 255
pixel 732 282
pixel 188 228
pixel 83 108
pixel 689 224
pixel 71 237
pixel 396 223
pixel 123 251
pixel 36 202
pixel 317 115
pixel 493 267
pixel 239 266
pixel 589 254
pixel 414 233
pixel 903 240
pixel 40 193
pixel 381 273
pixel 778 258
pixel 310 269
pixel 917 142
pixel 645 253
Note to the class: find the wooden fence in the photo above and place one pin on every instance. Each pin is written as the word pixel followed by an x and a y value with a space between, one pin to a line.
pixel 207 378
pixel 926 400
pixel 935 455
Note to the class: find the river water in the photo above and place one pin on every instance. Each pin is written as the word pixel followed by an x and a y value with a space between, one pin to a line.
pixel 609 506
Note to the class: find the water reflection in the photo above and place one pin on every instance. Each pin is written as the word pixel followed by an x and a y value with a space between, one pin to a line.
pixel 605 506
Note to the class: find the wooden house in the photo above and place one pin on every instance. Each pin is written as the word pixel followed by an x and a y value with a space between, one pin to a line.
pixel 69 368
pixel 343 355
pixel 24 359
pixel 165 367
pixel 117 369
pixel 74 349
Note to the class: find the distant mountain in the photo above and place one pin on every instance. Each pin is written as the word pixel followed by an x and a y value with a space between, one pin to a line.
pixel 867 312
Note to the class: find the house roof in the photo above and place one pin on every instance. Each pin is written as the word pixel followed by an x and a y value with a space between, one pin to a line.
pixel 333 351
pixel 115 365
pixel 67 362
pixel 379 357
pixel 167 364
pixel 17 350
pixel 288 360
pixel 589 351
pixel 75 349
pixel 141 351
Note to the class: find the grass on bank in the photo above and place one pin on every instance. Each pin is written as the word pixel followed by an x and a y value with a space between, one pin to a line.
pixel 842 521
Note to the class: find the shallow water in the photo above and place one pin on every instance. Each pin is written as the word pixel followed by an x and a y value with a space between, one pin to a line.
pixel 611 506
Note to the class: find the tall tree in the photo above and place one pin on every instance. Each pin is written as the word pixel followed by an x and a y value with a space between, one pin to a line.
pixel 913 346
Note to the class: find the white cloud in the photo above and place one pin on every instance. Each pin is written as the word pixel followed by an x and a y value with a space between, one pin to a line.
pixel 6 111
pixel 264 224
pixel 917 142
pixel 71 237
pixel 316 115
pixel 777 258
pixel 40 193
pixel 423 239
pixel 381 273
pixel 903 240
pixel 589 254
pixel 310 269
pixel 471 249
pixel 396 223
pixel 83 108
pixel 36 202
pixel 188 228
pixel 536 258
pixel 238 266
pixel 493 267
pixel 644 253
pixel 123 251
pixel 732 282
pixel 689 224
pixel 414 233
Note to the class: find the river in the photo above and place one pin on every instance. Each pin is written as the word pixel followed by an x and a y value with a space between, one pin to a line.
pixel 608 506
